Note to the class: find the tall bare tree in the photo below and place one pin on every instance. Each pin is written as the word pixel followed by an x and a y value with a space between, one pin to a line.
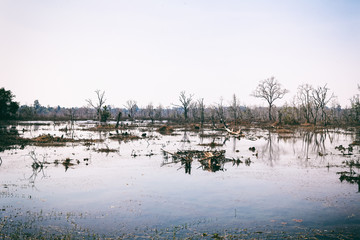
pixel 150 111
pixel 270 90
pixel 194 111
pixel 220 112
pixel 98 104
pixel 355 107
pixel 131 106
pixel 235 108
pixel 158 112
pixel 306 100
pixel 201 107
pixel 185 103
pixel 321 99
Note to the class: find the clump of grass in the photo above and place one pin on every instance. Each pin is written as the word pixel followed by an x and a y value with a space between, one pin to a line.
pixel 67 162
pixel 103 127
pixel 165 129
pixel 212 144
pixel 49 140
pixel 124 137
pixel 106 150
pixel 284 130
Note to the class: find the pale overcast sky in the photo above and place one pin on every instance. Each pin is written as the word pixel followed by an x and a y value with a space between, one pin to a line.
pixel 60 52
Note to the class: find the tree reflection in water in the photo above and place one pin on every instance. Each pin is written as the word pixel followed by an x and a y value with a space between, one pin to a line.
pixel 211 161
pixel 314 142
pixel 270 151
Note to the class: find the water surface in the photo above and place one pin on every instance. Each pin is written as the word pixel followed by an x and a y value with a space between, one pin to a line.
pixel 289 186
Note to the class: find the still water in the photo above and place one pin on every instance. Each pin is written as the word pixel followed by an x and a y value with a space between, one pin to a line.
pixel 290 185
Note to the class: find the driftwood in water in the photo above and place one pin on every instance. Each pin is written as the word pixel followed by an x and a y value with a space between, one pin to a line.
pixel 232 132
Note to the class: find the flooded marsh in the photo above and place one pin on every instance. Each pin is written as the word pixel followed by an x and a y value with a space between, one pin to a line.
pixel 143 180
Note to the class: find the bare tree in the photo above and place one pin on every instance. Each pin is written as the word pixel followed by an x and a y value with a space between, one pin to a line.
pixel 185 103
pixel 99 104
pixel 321 99
pixel 220 112
pixel 194 111
pixel 201 107
pixel 270 90
pixel 150 111
pixel 131 106
pixel 158 112
pixel 306 100
pixel 355 107
pixel 235 109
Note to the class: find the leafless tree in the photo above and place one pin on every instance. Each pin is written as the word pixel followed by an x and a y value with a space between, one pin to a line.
pixel 321 99
pixel 201 107
pixel 99 103
pixel 185 103
pixel 355 107
pixel 306 100
pixel 158 112
pixel 235 109
pixel 194 111
pixel 270 90
pixel 131 106
pixel 150 111
pixel 220 112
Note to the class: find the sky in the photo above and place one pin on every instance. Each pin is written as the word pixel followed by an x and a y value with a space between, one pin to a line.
pixel 60 52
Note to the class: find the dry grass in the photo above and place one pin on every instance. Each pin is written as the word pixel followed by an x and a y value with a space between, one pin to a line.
pixel 124 137
pixel 165 129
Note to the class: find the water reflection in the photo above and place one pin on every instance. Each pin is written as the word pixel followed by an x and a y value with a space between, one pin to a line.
pixel 270 151
pixel 211 161
pixel 34 175
pixel 313 144
pixel 37 166
pixel 188 167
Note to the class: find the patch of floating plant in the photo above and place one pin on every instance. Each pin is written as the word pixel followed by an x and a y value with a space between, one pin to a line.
pixel 39 165
pixel 105 150
pixel 125 136
pixel 105 127
pixel 111 127
pixel 49 140
pixel 33 123
pixel 345 151
pixel 138 153
pixel 165 130
pixel 67 162
pixel 212 144
pixel 351 176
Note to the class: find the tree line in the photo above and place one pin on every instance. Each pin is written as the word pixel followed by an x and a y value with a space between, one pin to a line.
pixel 312 105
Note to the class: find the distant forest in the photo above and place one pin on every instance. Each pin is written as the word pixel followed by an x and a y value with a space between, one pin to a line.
pixel 310 105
